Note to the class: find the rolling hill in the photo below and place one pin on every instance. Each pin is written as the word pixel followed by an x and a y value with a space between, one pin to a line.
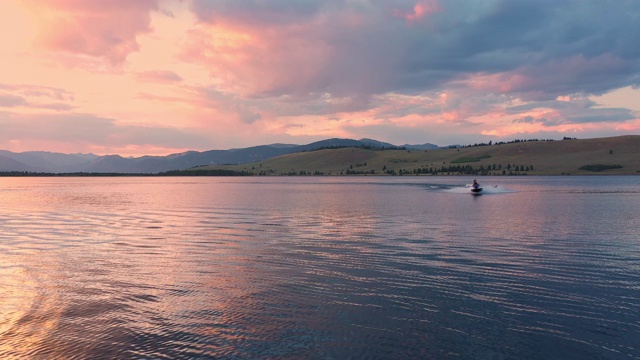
pixel 614 155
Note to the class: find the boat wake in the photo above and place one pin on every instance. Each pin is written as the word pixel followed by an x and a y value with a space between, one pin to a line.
pixel 485 190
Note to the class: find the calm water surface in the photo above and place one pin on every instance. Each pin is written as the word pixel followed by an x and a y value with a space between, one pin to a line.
pixel 320 268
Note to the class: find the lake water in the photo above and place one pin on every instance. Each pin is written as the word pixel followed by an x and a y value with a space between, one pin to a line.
pixel 320 268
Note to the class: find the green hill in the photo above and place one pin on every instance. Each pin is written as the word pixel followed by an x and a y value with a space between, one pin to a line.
pixel 614 155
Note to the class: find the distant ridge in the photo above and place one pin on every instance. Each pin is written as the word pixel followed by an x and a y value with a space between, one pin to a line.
pixel 7 163
pixel 48 162
pixel 613 155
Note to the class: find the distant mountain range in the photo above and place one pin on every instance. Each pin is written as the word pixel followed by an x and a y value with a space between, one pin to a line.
pixel 48 162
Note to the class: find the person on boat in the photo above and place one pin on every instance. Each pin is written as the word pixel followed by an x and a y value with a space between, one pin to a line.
pixel 475 184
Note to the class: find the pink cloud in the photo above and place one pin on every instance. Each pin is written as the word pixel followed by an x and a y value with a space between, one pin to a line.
pixel 301 49
pixel 259 62
pixel 103 29
pixel 550 79
pixel 38 91
pixel 420 10
pixel 501 83
pixel 247 72
pixel 35 97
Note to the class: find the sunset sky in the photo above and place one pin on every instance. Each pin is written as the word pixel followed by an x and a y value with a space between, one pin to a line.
pixel 155 77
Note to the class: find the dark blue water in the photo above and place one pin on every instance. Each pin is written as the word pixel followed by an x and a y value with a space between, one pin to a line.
pixel 320 268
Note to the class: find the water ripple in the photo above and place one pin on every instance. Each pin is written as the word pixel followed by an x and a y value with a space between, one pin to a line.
pixel 407 273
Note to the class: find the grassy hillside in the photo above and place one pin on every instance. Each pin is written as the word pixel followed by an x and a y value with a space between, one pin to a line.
pixel 615 155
